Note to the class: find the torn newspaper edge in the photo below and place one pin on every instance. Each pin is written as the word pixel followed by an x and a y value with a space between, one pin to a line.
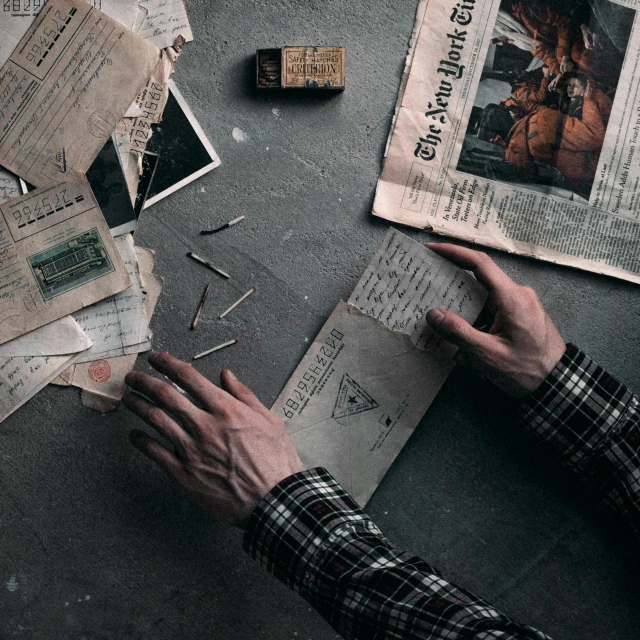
pixel 374 369
pixel 490 155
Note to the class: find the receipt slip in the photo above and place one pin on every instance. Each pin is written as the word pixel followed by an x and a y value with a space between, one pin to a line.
pixel 70 79
pixel 375 367
pixel 56 256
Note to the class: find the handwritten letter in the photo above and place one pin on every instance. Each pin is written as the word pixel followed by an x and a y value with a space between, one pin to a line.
pixel 404 280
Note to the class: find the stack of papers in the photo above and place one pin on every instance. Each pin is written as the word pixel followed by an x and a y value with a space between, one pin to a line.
pixel 81 86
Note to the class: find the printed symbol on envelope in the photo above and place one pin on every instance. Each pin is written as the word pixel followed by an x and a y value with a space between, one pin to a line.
pixel 352 399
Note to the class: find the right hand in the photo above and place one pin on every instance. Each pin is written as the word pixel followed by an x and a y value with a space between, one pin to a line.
pixel 522 346
pixel 553 85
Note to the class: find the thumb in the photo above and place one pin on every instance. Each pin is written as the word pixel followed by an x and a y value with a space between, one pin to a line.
pixel 456 330
pixel 241 392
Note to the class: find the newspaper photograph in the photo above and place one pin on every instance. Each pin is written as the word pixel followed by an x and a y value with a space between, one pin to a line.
pixel 517 127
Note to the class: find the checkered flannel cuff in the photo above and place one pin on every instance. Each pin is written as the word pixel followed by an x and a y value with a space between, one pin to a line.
pixel 576 408
pixel 294 522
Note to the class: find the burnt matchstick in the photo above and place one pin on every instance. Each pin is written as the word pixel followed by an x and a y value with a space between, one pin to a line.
pixel 203 299
pixel 237 302
pixel 224 226
pixel 193 256
pixel 220 346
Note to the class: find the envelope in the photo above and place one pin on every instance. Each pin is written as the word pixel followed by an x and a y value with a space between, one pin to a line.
pixel 356 397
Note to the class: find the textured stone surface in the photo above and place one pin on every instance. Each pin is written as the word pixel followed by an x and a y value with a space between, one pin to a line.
pixel 94 542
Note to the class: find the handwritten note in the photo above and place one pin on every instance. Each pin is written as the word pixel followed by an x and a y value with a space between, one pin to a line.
pixel 164 21
pixel 404 280
pixel 118 325
pixel 9 186
pixel 22 377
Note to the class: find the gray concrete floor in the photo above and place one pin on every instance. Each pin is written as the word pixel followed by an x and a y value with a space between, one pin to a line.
pixel 101 547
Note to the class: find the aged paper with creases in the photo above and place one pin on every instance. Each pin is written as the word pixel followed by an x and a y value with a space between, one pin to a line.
pixel 56 256
pixel 120 321
pixel 22 377
pixel 163 22
pixel 64 88
pixel 490 145
pixel 371 373
pixel 57 338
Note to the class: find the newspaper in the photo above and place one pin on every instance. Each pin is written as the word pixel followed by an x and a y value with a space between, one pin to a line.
pixel 518 127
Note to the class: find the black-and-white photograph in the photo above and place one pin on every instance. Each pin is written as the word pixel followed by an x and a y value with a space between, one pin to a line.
pixel 547 88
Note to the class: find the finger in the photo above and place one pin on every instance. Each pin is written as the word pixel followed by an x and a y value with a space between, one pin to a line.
pixel 158 419
pixel 167 398
pixel 458 331
pixel 484 268
pixel 241 392
pixel 189 379
pixel 156 452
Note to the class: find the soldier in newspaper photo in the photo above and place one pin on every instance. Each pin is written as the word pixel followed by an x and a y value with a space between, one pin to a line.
pixel 517 127
pixel 545 95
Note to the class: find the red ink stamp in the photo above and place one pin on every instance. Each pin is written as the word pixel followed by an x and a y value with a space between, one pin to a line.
pixel 100 371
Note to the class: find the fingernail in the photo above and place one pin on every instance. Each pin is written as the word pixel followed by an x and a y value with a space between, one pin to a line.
pixel 230 374
pixel 435 316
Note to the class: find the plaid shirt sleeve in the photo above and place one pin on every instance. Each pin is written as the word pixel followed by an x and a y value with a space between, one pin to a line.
pixel 593 423
pixel 312 536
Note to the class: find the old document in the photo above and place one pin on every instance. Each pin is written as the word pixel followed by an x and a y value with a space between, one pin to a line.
pixel 118 325
pixel 64 88
pixel 56 256
pixel 513 130
pixel 373 370
pixel 22 377
pixel 163 22
pixel 16 18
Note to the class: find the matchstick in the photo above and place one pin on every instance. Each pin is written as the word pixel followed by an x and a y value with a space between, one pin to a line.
pixel 208 264
pixel 220 346
pixel 224 226
pixel 205 293
pixel 235 304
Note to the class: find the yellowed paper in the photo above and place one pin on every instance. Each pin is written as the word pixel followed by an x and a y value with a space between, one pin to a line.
pixel 118 323
pixel 56 255
pixel 65 87
pixel 163 21
pixel 60 337
pixel 9 186
pixel 14 23
pixel 22 377
pixel 560 182
pixel 102 381
pixel 362 388
pixel 98 402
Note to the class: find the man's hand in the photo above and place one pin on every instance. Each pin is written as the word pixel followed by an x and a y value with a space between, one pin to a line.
pixel 226 455
pixel 522 345
pixel 566 66
pixel 553 85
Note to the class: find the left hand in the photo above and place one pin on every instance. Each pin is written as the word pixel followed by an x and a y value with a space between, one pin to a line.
pixel 566 66
pixel 228 454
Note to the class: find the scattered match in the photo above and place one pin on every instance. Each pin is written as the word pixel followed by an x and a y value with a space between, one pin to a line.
pixel 203 299
pixel 237 302
pixel 224 226
pixel 220 346
pixel 206 263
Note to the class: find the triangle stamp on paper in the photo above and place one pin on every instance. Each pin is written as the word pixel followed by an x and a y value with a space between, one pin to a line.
pixel 352 399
